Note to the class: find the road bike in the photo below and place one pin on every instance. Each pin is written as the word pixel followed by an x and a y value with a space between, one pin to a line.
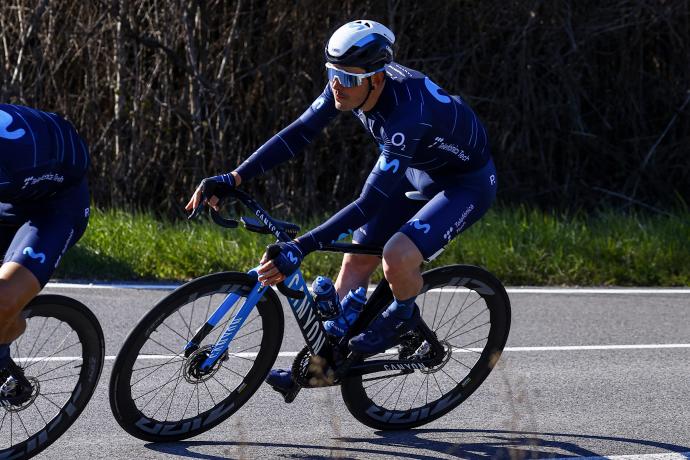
pixel 58 361
pixel 201 352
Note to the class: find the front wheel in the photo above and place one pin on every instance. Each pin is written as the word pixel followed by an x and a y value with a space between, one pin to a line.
pixel 469 311
pixel 157 394
pixel 61 355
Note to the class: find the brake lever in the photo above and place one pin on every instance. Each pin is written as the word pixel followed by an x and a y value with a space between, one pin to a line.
pixel 196 211
pixel 222 221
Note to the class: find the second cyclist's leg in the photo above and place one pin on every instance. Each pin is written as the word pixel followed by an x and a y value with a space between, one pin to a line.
pixel 401 267
pixel 35 251
pixel 355 271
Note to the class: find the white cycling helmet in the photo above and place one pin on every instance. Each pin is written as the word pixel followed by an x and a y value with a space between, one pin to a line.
pixel 363 43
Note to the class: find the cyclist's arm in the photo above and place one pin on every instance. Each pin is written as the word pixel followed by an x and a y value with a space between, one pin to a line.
pixel 291 140
pixel 400 143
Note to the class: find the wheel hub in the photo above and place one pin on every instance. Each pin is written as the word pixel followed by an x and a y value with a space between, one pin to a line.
pixel 446 357
pixel 193 373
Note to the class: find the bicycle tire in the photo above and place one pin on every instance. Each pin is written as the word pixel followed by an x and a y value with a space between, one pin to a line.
pixel 58 310
pixel 480 285
pixel 139 421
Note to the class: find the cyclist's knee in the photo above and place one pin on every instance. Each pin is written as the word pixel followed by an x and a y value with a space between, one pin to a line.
pixel 10 302
pixel 400 256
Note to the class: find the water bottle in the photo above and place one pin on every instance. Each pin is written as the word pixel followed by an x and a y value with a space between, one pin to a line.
pixel 326 298
pixel 351 308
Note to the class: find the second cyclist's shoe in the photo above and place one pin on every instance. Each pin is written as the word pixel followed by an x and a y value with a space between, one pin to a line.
pixel 385 332
pixel 281 381
pixel 15 389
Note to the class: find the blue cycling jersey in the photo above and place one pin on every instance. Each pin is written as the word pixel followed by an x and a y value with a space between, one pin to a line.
pixel 417 125
pixel 40 154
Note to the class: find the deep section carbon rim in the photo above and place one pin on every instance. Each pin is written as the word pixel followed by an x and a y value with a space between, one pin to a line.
pixel 159 394
pixel 61 353
pixel 469 312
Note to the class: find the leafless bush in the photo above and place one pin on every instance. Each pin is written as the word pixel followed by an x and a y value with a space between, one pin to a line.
pixel 586 102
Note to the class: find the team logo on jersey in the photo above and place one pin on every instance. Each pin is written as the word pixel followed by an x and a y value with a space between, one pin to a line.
pixel 386 165
pixel 420 226
pixel 316 105
pixel 342 236
pixel 435 91
pixel 29 251
pixel 398 140
pixel 6 120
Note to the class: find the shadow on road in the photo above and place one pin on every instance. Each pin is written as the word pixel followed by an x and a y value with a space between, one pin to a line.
pixel 426 444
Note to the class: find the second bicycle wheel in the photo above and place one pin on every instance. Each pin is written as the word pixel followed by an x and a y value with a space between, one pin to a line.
pixel 154 393
pixel 61 353
pixel 469 311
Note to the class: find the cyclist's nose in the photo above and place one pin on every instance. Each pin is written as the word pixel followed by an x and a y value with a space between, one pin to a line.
pixel 335 84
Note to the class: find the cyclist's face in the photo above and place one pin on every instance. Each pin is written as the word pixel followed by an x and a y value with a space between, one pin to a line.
pixel 349 98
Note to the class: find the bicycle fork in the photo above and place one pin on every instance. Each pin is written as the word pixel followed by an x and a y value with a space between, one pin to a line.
pixel 221 346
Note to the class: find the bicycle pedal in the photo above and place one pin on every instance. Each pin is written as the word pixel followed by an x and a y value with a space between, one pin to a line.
pixel 288 395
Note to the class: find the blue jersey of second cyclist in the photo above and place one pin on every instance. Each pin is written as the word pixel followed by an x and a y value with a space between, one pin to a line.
pixel 416 124
pixel 40 153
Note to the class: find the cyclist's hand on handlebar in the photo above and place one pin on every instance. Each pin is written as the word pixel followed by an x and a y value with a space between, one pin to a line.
pixel 211 190
pixel 279 261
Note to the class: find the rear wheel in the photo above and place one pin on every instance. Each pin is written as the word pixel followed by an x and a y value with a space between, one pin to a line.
pixel 61 355
pixel 469 311
pixel 158 394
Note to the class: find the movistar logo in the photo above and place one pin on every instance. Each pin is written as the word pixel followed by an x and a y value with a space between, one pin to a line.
pixel 435 91
pixel 420 226
pixel 29 251
pixel 386 165
pixel 292 258
pixel 318 103
pixel 6 120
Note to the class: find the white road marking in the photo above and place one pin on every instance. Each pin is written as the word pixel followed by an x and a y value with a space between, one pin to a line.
pixel 660 456
pixel 292 354
pixel 510 290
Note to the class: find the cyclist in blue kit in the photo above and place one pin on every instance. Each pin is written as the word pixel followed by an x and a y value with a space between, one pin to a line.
pixel 44 210
pixel 430 142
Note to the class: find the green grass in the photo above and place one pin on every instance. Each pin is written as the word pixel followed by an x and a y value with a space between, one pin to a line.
pixel 521 246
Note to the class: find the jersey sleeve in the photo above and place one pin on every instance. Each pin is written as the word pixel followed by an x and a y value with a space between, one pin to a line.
pixel 290 141
pixel 401 138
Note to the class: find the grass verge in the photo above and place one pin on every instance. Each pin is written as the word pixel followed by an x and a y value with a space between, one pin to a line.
pixel 520 246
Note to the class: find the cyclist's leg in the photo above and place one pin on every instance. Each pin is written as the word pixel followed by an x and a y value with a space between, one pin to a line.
pixel 451 210
pixel 356 269
pixel 17 287
pixel 50 228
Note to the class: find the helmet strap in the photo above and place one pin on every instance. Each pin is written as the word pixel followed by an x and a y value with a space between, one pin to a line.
pixel 371 88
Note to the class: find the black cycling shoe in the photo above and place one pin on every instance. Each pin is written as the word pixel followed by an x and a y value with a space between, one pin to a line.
pixel 282 382
pixel 15 389
pixel 385 332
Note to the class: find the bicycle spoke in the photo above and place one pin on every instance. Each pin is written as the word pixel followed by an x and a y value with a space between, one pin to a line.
pixel 392 392
pixel 209 393
pixel 401 392
pixel 447 306
pixel 55 368
pixel 455 336
pixel 38 334
pixel 174 332
pixel 460 362
pixel 426 378
pixel 466 323
pixel 462 309
pixel 170 361
pixel 59 378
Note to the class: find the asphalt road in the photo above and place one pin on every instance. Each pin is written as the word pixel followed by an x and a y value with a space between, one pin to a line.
pixel 583 375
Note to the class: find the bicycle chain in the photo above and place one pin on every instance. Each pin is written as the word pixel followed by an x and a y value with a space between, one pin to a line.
pixel 310 371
